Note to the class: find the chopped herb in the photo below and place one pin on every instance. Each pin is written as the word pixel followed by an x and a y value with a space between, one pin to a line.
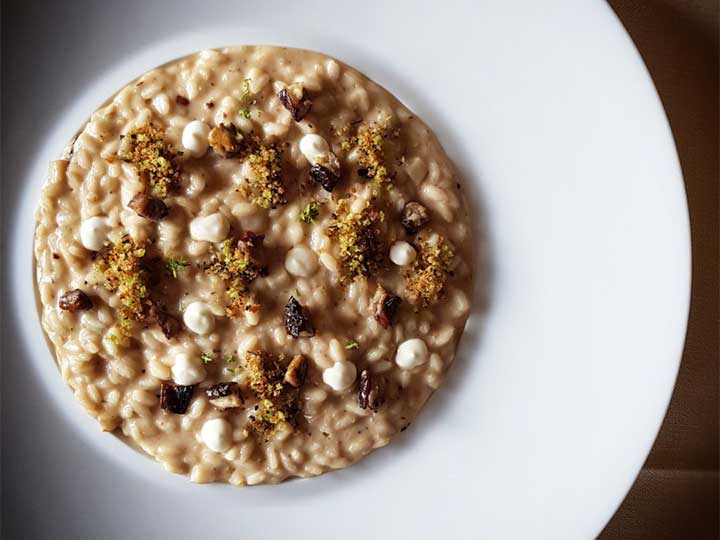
pixel 351 344
pixel 297 293
pixel 229 358
pixel 310 213
pixel 206 357
pixel 247 99
pixel 175 265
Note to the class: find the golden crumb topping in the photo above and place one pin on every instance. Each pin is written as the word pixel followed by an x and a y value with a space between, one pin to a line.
pixel 362 251
pixel 277 400
pixel 122 267
pixel 425 279
pixel 153 158
pixel 370 144
pixel 234 262
pixel 265 185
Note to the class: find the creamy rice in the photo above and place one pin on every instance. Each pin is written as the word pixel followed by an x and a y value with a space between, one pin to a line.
pixel 117 377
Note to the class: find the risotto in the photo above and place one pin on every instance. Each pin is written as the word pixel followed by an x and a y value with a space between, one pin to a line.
pixel 254 263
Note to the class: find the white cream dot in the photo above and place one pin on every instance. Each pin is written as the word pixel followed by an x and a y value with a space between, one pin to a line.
pixel 411 353
pixel 93 232
pixel 199 318
pixel 340 376
pixel 212 228
pixel 402 253
pixel 187 370
pixel 301 261
pixel 195 138
pixel 217 434
pixel 313 146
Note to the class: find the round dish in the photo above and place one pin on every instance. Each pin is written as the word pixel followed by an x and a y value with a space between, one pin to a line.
pixel 255 263
pixel 568 359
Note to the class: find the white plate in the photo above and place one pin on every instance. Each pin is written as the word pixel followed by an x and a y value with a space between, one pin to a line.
pixel 563 377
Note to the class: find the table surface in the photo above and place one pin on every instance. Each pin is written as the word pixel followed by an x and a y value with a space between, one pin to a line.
pixel 676 494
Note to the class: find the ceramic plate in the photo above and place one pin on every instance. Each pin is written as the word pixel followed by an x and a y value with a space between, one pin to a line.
pixel 570 356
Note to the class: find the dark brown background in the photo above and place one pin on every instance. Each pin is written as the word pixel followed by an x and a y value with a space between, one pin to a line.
pixel 676 494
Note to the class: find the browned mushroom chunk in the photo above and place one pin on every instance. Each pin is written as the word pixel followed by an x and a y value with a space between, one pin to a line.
pixel 324 176
pixel 369 392
pixel 148 207
pixel 296 371
pixel 75 300
pixel 414 217
pixel 225 140
pixel 384 307
pixel 152 270
pixel 250 242
pixel 169 325
pixel 297 320
pixel 225 395
pixel 294 98
pixel 175 398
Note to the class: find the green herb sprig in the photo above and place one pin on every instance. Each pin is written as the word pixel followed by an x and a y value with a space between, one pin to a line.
pixel 351 344
pixel 247 99
pixel 310 213
pixel 175 265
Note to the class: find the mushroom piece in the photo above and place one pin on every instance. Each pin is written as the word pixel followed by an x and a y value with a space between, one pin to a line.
pixel 250 242
pixel 169 325
pixel 152 269
pixel 369 392
pixel 225 140
pixel 384 306
pixel 75 300
pixel 414 217
pixel 324 176
pixel 294 98
pixel 225 395
pixel 148 207
pixel 297 320
pixel 175 398
pixel 296 371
